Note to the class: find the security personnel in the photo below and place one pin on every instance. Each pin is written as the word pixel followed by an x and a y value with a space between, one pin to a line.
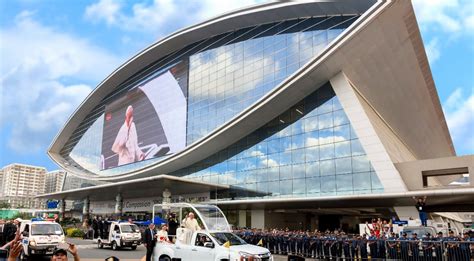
pixel 392 246
pixel 414 246
pixel 404 247
pixel 373 246
pixel 363 247
pixel 346 245
pixel 427 247
pixel 465 246
pixel 438 244
pixel 452 245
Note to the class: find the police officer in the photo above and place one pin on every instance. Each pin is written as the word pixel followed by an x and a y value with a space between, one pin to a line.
pixel 373 246
pixel 465 246
pixel 392 246
pixel 404 247
pixel 438 242
pixel 452 245
pixel 414 246
pixel 363 247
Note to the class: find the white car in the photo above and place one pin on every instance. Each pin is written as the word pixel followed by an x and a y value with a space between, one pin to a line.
pixel 214 242
pixel 40 237
pixel 121 234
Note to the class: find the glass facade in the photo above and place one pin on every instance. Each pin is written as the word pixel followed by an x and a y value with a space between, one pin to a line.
pixel 227 73
pixel 309 150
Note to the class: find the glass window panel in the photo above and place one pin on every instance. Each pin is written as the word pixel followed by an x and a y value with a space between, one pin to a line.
pixel 362 181
pixel 286 187
pixel 356 148
pixel 360 164
pixel 298 156
pixel 326 136
pixel 285 158
pixel 297 141
pixel 285 172
pixel 325 120
pixel 298 171
pixel 312 169
pixel 297 127
pixel 343 165
pixel 273 160
pixel 343 149
pixel 326 151
pixel 328 185
pixel 313 186
pixel 286 143
pixel 376 184
pixel 250 176
pixel 274 188
pixel 311 138
pixel 312 154
pixel 310 124
pixel 342 133
pixel 336 104
pixel 299 186
pixel 344 182
pixel 327 167
pixel 273 173
pixel 261 175
pixel 274 146
pixel 262 187
pixel 340 118
pixel 325 108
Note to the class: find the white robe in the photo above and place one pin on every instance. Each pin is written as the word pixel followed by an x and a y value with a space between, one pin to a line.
pixel 126 145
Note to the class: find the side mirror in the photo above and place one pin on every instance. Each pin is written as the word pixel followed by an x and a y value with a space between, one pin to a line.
pixel 209 245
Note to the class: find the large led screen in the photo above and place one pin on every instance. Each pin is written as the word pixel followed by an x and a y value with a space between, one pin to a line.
pixel 148 121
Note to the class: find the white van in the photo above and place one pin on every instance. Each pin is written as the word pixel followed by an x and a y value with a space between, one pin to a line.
pixel 215 242
pixel 40 237
pixel 121 234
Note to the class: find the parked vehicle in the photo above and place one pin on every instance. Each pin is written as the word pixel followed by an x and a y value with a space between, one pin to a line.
pixel 121 234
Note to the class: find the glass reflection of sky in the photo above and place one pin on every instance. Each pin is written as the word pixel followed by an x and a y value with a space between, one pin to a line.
pixel 309 150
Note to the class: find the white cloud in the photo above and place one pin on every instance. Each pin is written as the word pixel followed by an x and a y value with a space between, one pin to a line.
pixel 439 13
pixel 459 113
pixel 160 16
pixel 433 50
pixel 39 71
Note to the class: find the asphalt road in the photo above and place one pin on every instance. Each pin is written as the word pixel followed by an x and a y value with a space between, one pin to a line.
pixel 88 251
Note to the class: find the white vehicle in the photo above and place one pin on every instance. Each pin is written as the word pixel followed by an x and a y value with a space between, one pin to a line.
pixel 40 237
pixel 214 242
pixel 121 234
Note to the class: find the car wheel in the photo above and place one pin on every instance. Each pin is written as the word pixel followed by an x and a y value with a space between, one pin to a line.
pixel 134 247
pixel 165 258
pixel 114 246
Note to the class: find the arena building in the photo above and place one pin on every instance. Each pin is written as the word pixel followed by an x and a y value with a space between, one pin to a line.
pixel 285 114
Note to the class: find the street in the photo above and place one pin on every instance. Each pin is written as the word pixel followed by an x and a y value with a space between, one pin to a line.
pixel 88 251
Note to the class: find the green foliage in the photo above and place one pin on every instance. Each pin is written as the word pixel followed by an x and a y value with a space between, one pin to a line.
pixel 5 205
pixel 74 232
pixel 23 215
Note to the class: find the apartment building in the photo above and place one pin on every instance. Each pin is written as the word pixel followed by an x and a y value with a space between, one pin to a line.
pixel 20 184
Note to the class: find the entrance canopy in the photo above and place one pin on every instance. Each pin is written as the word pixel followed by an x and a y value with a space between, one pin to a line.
pixel 138 188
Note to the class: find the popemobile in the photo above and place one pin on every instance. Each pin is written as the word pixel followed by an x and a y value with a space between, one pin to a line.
pixel 214 241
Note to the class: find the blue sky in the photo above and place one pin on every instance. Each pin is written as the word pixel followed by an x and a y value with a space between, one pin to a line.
pixel 53 53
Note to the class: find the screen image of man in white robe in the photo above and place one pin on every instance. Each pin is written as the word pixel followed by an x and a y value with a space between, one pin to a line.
pixel 126 142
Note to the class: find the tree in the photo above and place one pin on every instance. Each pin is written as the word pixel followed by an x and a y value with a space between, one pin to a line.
pixel 5 205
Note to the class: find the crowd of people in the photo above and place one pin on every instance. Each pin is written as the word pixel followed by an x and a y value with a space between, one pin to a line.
pixel 382 245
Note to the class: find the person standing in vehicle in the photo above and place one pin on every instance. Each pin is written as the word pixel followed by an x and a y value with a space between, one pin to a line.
pixel 191 223
pixel 150 241
pixel 173 226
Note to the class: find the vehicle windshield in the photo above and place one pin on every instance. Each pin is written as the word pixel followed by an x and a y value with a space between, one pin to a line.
pixel 129 228
pixel 212 217
pixel 46 229
pixel 222 237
